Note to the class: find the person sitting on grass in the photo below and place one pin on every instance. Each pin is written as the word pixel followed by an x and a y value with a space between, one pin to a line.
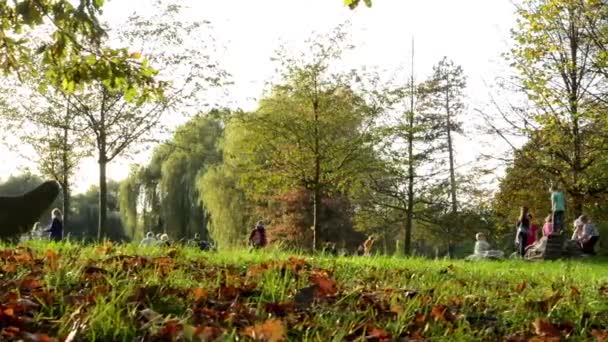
pixel 164 240
pixel 149 240
pixel 257 238
pixel 483 249
pixel 588 235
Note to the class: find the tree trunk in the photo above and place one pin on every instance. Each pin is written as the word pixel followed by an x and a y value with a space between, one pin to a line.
pixel 317 177
pixel 103 199
pixel 407 246
pixel 450 150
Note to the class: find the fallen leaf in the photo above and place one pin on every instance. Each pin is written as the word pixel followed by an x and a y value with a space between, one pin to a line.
pixel 574 291
pixel 199 294
pixel 30 283
pixel 377 335
pixel 272 330
pixel 543 327
pixel 600 336
pixel 442 313
pixel 325 285
pixel 521 287
pixel 52 258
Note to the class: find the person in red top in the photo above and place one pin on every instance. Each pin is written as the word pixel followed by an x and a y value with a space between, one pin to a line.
pixel 532 232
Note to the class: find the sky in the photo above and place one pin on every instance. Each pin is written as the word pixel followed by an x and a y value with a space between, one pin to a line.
pixel 473 33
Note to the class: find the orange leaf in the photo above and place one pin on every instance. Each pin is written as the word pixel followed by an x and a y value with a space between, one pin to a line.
pixel 199 294
pixel 8 312
pixel 30 283
pixel 600 336
pixel 376 334
pixel 272 330
pixel 575 292
pixel 442 313
pixel 325 285
pixel 521 287
pixel 52 258
pixel 9 268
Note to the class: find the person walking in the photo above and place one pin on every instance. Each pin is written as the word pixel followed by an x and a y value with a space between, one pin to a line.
pixel 257 238
pixel 56 227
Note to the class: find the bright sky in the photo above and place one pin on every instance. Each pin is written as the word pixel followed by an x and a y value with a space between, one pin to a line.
pixel 473 33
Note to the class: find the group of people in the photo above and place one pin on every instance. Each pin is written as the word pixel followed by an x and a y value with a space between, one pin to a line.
pixel 54 231
pixel 585 235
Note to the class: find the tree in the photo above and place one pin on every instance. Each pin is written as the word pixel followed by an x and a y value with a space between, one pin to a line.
pixel 560 70
pixel 443 95
pixel 313 131
pixel 118 123
pixel 48 124
pixel 352 4
pixel 70 50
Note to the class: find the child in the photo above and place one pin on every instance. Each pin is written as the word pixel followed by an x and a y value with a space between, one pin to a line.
pixel 558 207
pixel 548 226
pixel 523 228
pixel 56 228
pixel 481 245
pixel 149 240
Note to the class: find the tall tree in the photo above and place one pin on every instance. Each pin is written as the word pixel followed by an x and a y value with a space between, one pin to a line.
pixel 443 95
pixel 313 131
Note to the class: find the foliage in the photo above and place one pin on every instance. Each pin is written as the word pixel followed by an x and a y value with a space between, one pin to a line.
pixel 313 131
pixel 122 292
pixel 71 54
pixel 352 4
pixel 560 70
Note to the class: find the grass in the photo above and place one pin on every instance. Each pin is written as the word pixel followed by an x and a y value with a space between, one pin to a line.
pixel 126 293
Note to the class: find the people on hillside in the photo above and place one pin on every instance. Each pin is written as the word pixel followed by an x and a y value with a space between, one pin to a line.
pixel 586 235
pixel 55 230
pixel 149 240
pixel 257 238
pixel 532 233
pixel 548 226
pixel 558 208
pixel 483 249
pixel 523 228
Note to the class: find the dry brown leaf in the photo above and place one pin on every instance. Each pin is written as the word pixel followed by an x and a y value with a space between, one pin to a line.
pixel 272 330
pixel 52 258
pixel 521 287
pixel 600 336
pixel 543 327
pixel 574 291
pixel 325 285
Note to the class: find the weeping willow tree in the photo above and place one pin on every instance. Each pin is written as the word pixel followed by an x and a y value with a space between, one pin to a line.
pixel 163 196
pixel 225 201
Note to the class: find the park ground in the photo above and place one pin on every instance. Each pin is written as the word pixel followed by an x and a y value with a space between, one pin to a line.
pixel 105 292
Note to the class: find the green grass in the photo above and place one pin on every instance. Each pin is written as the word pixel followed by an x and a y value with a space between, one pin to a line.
pixel 127 293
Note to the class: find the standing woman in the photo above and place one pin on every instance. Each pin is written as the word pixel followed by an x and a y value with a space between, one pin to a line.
pixel 56 228
pixel 523 228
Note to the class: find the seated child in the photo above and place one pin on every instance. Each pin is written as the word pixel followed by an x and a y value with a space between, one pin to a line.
pixel 482 249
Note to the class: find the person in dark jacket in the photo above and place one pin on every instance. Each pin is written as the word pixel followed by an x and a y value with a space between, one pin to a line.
pixel 56 228
pixel 257 238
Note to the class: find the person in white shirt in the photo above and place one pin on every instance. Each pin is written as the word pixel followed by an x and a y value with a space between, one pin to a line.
pixel 149 240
